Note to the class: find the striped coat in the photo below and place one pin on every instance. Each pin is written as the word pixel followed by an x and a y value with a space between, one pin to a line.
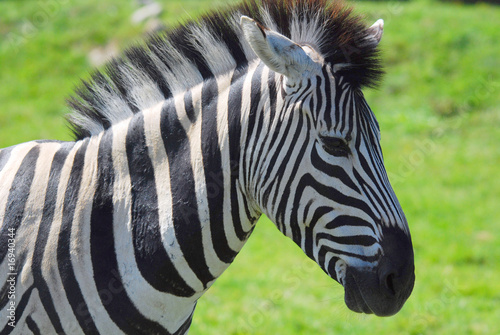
pixel 179 147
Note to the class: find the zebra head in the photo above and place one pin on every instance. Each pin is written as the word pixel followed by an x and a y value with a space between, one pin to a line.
pixel 321 177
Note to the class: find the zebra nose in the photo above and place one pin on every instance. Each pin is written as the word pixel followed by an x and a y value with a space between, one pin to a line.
pixel 396 270
pixel 389 278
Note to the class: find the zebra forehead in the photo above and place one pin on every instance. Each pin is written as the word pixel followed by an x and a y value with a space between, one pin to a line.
pixel 176 59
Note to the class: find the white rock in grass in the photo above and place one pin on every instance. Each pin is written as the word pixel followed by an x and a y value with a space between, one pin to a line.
pixel 101 55
pixel 152 10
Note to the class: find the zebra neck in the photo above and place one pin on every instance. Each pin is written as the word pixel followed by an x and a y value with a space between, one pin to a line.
pixel 190 210
pixel 264 138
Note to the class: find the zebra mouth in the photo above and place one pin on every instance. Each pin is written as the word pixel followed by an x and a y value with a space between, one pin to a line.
pixel 384 288
pixel 377 291
pixel 354 298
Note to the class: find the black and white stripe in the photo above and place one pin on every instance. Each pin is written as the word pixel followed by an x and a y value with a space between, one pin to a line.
pixel 181 146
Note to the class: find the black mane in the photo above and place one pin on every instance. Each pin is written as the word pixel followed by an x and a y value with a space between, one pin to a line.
pixel 175 60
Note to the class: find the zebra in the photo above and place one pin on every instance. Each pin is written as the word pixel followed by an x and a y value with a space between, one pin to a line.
pixel 180 146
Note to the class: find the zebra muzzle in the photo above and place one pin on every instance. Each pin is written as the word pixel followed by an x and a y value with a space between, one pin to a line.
pixel 384 289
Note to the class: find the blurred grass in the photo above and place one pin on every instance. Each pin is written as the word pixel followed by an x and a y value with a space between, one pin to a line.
pixel 438 108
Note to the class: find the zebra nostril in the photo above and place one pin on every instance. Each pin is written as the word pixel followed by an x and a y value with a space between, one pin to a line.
pixel 388 283
pixel 388 277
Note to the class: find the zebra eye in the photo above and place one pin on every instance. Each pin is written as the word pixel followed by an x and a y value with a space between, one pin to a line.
pixel 335 146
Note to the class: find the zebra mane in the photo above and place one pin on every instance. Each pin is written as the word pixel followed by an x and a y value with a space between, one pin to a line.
pixel 177 59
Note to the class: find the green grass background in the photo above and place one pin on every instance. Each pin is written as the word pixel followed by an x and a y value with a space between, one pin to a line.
pixel 439 110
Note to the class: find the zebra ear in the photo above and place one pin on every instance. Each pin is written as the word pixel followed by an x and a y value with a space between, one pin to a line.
pixel 278 52
pixel 375 33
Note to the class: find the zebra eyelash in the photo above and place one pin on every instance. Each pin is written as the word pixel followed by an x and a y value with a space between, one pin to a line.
pixel 336 146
